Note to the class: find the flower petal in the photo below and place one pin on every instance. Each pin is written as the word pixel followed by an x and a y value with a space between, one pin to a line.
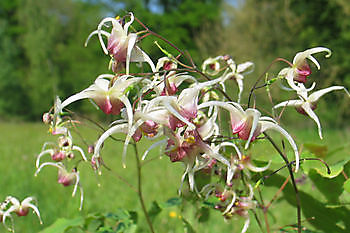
pixel 317 94
pixel 294 103
pixel 266 125
pixel 310 112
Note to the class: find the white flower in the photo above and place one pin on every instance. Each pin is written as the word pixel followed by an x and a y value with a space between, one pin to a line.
pixel 66 178
pixel 300 69
pixel 20 208
pixel 121 44
pixel 306 104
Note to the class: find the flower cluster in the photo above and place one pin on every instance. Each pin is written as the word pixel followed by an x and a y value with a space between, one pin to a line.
pixel 182 113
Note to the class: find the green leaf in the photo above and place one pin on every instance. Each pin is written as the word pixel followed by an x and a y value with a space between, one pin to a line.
pixel 347 185
pixel 320 151
pixel 119 215
pixel 323 184
pixel 336 169
pixel 94 221
pixel 105 230
pixel 175 201
pixel 62 224
pixel 154 210
pixel 203 214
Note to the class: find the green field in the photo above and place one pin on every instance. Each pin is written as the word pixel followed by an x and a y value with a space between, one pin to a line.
pixel 21 142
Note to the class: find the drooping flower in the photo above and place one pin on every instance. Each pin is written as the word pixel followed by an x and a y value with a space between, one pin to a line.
pixel 121 45
pixel 300 69
pixel 66 178
pixel 20 208
pixel 211 66
pixel 237 72
pixel 307 103
pixel 249 124
pixel 63 149
pixel 109 95
pixel 189 148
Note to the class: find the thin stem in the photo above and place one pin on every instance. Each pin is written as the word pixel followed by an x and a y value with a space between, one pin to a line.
pixel 187 55
pixel 123 180
pixel 297 198
pixel 294 161
pixel 257 220
pixel 277 193
pixel 139 188
pixel 264 209
pixel 262 75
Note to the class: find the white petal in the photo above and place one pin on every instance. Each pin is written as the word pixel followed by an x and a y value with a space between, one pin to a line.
pixel 266 125
pixel 126 26
pixel 255 115
pixel 131 43
pixel 36 211
pixel 138 55
pixel 294 103
pixel 245 68
pixel 49 151
pixel 317 94
pixel 253 168
pixel 131 132
pixel 154 145
pixel 301 56
pixel 122 128
pixel 99 31
pixel 77 148
pixel 229 206
pixel 240 89
pixel 104 33
pixel 246 225
pixel 310 112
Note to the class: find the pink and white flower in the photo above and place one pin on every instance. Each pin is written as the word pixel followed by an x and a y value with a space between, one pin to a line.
pixel 121 45
pixel 300 69
pixel 307 103
pixel 20 208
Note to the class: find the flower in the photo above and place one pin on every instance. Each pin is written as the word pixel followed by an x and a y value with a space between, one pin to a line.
pixel 249 124
pixel 300 69
pixel 62 150
pixel 237 73
pixel 66 178
pixel 121 44
pixel 109 95
pixel 211 66
pixel 20 208
pixel 189 148
pixel 306 104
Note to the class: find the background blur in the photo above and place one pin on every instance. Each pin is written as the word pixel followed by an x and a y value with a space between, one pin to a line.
pixel 42 52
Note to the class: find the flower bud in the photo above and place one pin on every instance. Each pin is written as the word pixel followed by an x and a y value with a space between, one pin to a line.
pixel 47 118
pixel 70 155
pixel 91 149
pixel 22 211
pixel 65 178
pixel 58 156
pixel 64 142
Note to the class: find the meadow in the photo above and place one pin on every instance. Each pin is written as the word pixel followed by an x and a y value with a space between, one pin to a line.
pixel 20 143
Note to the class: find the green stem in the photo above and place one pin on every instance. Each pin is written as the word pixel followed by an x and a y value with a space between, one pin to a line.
pixel 297 198
pixel 139 188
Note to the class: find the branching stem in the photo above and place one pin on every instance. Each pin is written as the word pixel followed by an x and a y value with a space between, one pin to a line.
pixel 297 198
pixel 139 188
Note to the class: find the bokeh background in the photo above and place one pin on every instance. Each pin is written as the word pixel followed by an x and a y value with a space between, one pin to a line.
pixel 42 52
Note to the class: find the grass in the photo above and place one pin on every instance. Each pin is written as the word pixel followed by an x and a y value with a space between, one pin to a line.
pixel 21 142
